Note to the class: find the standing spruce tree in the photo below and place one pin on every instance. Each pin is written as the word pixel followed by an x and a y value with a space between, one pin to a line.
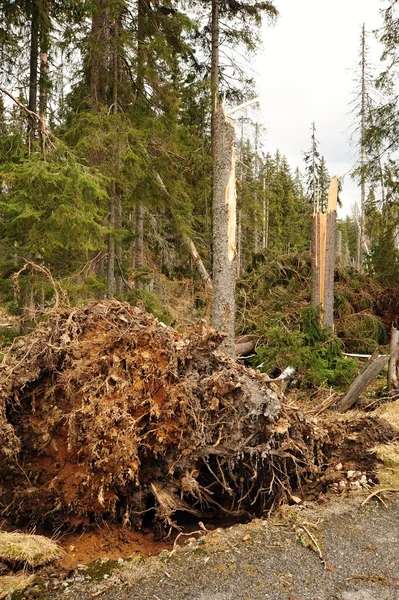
pixel 312 169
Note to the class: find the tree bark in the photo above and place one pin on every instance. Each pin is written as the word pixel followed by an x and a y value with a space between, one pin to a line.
pixel 393 381
pixel 315 262
pixel 99 54
pixel 139 245
pixel 118 200
pixel 33 67
pixel 214 62
pixel 44 67
pixel 361 244
pixel 111 243
pixel 365 377
pixel 140 54
pixel 224 224
pixel 331 218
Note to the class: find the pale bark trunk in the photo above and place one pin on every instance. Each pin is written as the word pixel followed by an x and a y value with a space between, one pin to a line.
pixel 331 219
pixel 224 223
pixel 365 377
pixel 315 262
pixel 215 63
pixel 328 313
pixel 393 381
pixel 361 244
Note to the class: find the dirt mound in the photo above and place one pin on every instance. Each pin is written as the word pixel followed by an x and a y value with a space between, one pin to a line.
pixel 106 414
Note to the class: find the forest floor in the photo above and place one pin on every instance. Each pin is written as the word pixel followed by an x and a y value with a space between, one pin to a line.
pixel 339 551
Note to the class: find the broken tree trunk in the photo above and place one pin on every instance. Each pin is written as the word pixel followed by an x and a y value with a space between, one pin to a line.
pixel 224 229
pixel 329 255
pixel 323 258
pixel 393 381
pixel 365 377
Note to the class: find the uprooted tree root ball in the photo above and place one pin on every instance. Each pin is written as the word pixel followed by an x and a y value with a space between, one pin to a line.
pixel 107 414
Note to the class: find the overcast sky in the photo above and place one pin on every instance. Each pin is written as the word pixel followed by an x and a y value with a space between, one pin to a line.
pixel 305 72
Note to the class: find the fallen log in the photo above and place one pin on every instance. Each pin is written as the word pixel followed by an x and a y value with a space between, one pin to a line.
pixel 369 372
pixel 245 344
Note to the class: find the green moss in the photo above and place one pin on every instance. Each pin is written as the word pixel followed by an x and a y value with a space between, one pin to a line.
pixel 99 568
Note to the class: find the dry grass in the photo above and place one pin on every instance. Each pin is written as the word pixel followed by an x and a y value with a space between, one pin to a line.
pixel 14 583
pixel 29 550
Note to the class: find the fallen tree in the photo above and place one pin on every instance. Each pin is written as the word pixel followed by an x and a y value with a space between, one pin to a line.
pixel 107 414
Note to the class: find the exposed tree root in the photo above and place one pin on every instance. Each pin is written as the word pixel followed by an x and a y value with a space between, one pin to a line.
pixel 107 414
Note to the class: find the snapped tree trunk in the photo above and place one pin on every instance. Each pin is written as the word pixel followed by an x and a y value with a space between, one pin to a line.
pixel 331 218
pixel 323 258
pixel 224 229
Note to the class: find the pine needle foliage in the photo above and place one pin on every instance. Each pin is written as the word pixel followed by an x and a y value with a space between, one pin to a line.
pixel 274 297
pixel 42 196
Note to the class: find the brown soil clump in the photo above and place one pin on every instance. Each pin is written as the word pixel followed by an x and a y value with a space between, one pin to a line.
pixel 111 542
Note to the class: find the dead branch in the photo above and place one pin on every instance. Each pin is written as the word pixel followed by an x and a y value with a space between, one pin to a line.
pixel 31 113
pixel 60 295
pixel 377 492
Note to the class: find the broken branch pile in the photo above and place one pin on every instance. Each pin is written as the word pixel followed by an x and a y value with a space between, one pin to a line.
pixel 105 413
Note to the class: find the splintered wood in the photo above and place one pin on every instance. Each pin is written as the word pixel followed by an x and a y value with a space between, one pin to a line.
pixel 323 257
